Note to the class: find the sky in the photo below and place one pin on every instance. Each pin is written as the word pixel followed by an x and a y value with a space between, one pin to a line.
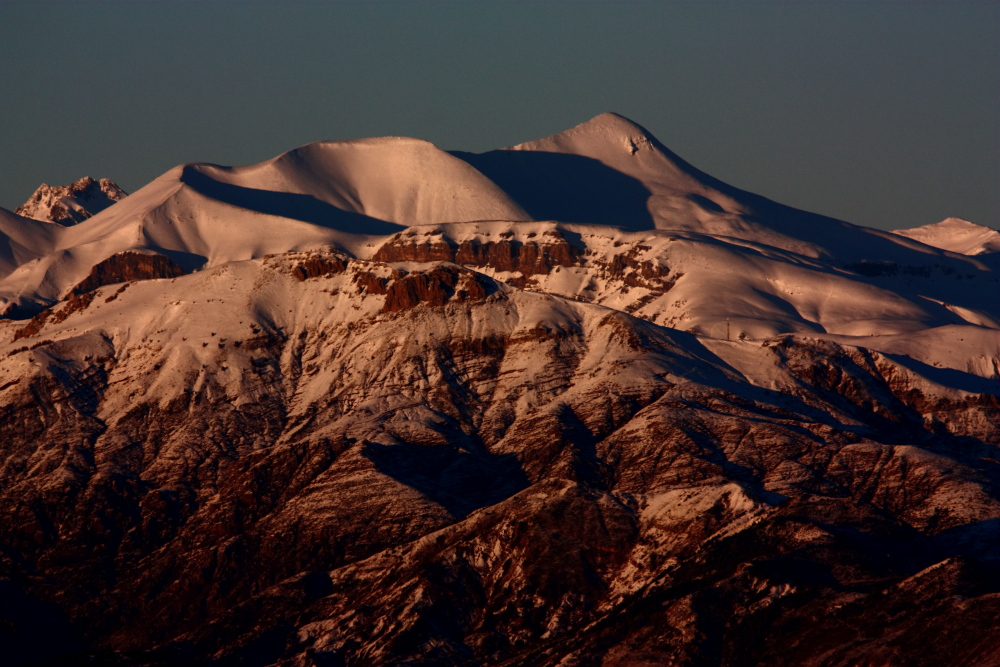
pixel 885 114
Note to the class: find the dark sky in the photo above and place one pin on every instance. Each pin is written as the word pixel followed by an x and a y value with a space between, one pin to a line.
pixel 882 113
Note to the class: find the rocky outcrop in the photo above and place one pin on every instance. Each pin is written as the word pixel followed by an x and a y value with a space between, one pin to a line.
pixel 427 467
pixel 124 267
pixel 539 255
pixel 436 288
pixel 369 283
pixel 315 267
pixel 527 259
pixel 652 275
pixel 55 314
pixel 127 267
pixel 70 204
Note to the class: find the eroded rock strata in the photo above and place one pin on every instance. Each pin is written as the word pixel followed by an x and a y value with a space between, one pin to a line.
pixel 315 460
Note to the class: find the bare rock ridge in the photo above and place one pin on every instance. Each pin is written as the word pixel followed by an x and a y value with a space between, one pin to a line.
pixel 569 403
pixel 70 204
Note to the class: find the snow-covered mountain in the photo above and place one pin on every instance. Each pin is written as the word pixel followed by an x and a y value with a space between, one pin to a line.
pixel 350 196
pixel 956 235
pixel 571 402
pixel 70 204
pixel 23 240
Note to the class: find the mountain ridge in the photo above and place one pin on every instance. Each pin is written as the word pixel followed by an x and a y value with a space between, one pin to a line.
pixel 328 410
pixel 303 196
pixel 956 235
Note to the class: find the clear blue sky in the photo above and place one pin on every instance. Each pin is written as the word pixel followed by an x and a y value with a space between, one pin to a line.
pixel 881 113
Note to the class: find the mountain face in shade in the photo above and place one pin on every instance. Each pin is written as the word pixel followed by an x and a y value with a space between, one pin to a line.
pixel 572 402
pixel 69 204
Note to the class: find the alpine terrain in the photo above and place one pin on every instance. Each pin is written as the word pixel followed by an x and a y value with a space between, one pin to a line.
pixel 572 402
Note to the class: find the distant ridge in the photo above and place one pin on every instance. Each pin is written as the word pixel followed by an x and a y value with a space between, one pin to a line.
pixel 70 204
pixel 608 172
pixel 956 235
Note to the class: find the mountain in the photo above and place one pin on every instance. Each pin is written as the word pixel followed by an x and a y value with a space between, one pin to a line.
pixel 69 204
pixel 350 196
pixel 326 195
pixel 956 235
pixel 23 240
pixel 568 403
pixel 612 171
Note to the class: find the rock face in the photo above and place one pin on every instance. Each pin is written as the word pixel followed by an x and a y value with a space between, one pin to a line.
pixel 126 267
pixel 436 287
pixel 527 257
pixel 311 459
pixel 70 204
pixel 572 403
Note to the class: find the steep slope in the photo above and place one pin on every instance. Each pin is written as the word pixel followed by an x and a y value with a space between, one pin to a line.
pixel 398 180
pixel 956 235
pixel 310 459
pixel 332 194
pixel 23 240
pixel 70 204
pixel 611 171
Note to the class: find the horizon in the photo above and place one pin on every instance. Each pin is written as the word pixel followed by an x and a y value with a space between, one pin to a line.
pixel 853 111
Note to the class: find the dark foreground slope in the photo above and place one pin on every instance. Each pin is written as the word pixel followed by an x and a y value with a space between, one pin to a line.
pixel 315 460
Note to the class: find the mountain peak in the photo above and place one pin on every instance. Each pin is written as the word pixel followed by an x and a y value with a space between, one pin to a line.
pixel 70 204
pixel 610 121
pixel 956 235
pixel 607 128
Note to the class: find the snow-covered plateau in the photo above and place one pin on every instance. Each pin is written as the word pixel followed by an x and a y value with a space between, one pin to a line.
pixel 572 402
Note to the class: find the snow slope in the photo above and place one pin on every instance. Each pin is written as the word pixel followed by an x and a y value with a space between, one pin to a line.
pixel 610 170
pixel 724 260
pixel 392 179
pixel 23 240
pixel 956 235
pixel 709 284
pixel 331 194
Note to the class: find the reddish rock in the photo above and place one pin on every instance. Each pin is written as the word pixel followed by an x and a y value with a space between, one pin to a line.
pixel 651 275
pixel 126 267
pixel 314 267
pixel 55 314
pixel 397 251
pixel 370 283
pixel 435 287
pixel 528 258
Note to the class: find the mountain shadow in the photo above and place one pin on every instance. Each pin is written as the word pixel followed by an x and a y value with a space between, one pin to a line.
pixel 458 480
pixel 304 208
pixel 569 188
